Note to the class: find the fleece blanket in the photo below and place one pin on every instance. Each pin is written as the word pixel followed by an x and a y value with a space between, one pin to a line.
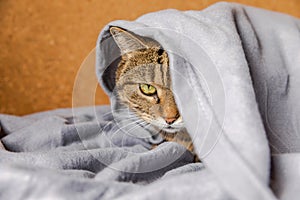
pixel 235 76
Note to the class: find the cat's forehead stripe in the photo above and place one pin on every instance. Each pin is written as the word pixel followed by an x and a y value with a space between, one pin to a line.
pixel 162 74
pixel 158 76
pixel 167 76
pixel 152 74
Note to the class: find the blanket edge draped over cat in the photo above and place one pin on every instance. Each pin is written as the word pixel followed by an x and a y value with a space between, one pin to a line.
pixel 254 57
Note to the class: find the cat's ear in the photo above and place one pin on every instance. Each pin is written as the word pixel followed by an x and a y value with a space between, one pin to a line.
pixel 126 41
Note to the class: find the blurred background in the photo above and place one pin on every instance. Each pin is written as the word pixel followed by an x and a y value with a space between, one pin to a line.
pixel 43 43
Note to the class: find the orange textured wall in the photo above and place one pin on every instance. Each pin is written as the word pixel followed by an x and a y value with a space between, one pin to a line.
pixel 43 44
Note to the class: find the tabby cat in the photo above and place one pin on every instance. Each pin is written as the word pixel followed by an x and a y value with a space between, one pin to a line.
pixel 143 83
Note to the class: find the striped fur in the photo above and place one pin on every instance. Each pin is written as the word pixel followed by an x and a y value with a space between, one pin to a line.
pixel 145 62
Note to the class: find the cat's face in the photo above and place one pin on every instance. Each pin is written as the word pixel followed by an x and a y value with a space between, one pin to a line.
pixel 143 81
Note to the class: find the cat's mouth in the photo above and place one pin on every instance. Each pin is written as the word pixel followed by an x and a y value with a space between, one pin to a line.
pixel 169 128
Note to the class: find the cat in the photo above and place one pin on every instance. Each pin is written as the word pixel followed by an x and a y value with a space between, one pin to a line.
pixel 143 84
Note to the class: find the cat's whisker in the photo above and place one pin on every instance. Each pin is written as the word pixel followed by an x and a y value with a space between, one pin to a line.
pixel 122 127
pixel 133 122
pixel 120 109
pixel 138 122
pixel 128 120
pixel 132 128
pixel 127 114
pixel 144 122
pixel 115 111
pixel 126 117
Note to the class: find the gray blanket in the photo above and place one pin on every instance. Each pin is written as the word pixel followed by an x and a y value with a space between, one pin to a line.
pixel 235 72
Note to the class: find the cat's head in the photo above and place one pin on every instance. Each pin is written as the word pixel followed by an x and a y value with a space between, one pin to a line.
pixel 143 81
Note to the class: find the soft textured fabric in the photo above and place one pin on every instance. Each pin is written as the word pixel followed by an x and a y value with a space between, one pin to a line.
pixel 235 72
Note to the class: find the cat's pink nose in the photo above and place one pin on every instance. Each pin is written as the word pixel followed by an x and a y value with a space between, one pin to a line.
pixel 170 120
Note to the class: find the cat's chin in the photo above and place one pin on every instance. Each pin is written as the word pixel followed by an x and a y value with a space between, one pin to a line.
pixel 171 130
pixel 167 128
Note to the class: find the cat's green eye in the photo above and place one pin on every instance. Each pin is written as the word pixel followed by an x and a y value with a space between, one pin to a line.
pixel 147 89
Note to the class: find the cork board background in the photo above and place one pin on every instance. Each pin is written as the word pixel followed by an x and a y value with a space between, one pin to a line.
pixel 43 43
